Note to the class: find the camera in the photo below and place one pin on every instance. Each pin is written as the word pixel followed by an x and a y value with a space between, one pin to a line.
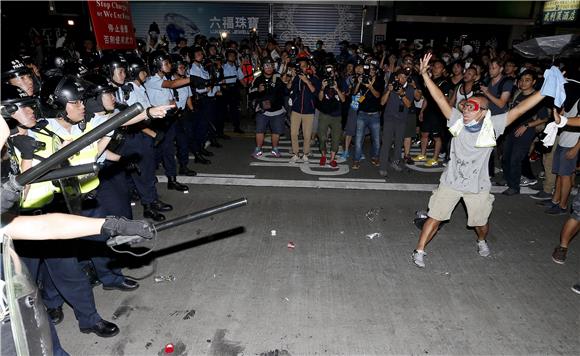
pixel 329 75
pixel 298 69
pixel 253 35
pixel 476 87
pixel 366 76
pixel 396 85
pixel 408 71
pixel 293 52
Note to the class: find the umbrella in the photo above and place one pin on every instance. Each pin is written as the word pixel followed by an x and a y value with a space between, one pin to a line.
pixel 550 47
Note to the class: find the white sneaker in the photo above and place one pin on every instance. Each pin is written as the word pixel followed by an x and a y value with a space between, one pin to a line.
pixel 483 248
pixel 526 182
pixel 305 158
pixel 418 258
pixel 294 159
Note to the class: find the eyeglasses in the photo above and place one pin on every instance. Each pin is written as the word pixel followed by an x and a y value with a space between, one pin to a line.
pixel 76 102
pixel 470 105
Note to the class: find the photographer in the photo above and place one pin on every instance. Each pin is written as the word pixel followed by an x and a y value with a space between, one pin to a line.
pixel 303 86
pixel 399 105
pixel 330 99
pixel 370 86
pixel 268 92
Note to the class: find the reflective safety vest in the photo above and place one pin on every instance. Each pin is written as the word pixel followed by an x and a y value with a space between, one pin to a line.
pixel 42 193
pixel 89 154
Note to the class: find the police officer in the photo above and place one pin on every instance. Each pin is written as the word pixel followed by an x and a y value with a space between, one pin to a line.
pixel 184 115
pixel 160 92
pixel 138 145
pixel 205 91
pixel 233 77
pixel 63 272
pixel 15 72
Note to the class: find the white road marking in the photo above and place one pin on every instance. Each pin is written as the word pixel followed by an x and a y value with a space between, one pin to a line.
pixel 353 180
pixel 321 184
pixel 226 175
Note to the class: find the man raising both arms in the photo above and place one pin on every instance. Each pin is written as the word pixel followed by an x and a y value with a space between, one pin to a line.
pixel 466 176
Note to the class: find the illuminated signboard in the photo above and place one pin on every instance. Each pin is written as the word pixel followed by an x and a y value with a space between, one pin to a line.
pixel 557 11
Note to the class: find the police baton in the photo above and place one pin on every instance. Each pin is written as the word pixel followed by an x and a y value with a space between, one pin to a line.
pixel 118 240
pixel 77 145
pixel 72 171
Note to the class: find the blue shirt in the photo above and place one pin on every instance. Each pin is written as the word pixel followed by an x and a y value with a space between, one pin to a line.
pixel 139 95
pixel 303 100
pixel 233 71
pixel 197 70
pixel 157 94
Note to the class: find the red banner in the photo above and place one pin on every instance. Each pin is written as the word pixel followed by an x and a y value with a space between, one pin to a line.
pixel 112 24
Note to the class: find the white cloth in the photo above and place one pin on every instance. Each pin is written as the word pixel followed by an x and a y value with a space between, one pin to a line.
pixel 554 85
pixel 486 137
pixel 551 131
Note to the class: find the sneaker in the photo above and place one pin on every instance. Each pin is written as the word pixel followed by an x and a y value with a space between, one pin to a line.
pixel 383 174
pixel 397 166
pixel 542 175
pixel 419 158
pixel 333 163
pixel 419 258
pixel 556 210
pixel 276 153
pixel 541 195
pixel 483 248
pixel 432 163
pixel 510 191
pixel 294 159
pixel 559 255
pixel 375 162
pixel 547 203
pixel 534 156
pixel 305 158
pixel 257 153
pixel 322 161
pixel 409 160
pixel 576 288
pixel 355 165
pixel 526 182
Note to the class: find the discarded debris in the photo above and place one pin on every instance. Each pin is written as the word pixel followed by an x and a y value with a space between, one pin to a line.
pixel 169 348
pixel 273 232
pixel 168 278
pixel 372 214
pixel 374 235
pixel 291 245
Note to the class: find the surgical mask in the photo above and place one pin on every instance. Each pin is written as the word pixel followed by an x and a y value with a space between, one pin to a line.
pixel 455 55
pixel 474 126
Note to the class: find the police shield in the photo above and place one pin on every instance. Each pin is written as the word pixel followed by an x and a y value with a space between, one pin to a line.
pixel 29 320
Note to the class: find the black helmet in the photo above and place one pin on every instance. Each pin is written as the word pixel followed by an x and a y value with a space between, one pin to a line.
pixel 178 59
pixel 12 97
pixel 13 67
pixel 98 85
pixel 267 60
pixel 111 62
pixel 135 65
pixel 156 59
pixel 57 91
pixel 76 69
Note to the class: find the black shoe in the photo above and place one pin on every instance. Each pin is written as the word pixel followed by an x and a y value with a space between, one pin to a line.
pixel 150 213
pixel 56 315
pixel 206 153
pixel 200 159
pixel 173 184
pixel 102 328
pixel 184 171
pixel 239 131
pixel 215 143
pixel 161 206
pixel 510 191
pixel 127 286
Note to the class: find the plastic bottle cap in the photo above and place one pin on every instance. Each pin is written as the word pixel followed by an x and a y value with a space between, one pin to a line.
pixel 169 348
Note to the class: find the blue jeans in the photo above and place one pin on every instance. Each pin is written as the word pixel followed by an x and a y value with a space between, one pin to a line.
pixel 373 122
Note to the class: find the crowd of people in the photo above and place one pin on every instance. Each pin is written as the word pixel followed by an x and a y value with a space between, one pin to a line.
pixel 471 109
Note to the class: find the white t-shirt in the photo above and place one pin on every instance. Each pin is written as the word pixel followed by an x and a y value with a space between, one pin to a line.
pixel 467 170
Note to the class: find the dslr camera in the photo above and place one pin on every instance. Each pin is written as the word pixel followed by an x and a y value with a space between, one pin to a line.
pixel 476 87
pixel 396 85
pixel 366 76
pixel 329 75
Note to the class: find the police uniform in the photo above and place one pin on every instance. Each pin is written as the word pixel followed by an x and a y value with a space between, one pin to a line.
pixel 206 106
pixel 165 152
pixel 184 125
pixel 231 93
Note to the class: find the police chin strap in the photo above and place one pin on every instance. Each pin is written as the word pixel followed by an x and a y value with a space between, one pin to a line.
pixel 81 124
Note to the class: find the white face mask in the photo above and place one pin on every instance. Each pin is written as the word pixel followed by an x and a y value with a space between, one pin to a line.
pixel 455 55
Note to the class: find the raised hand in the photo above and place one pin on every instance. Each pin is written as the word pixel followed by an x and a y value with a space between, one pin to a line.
pixel 424 63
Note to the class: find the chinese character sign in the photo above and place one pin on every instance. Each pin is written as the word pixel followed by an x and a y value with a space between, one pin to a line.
pixel 561 11
pixel 112 24
pixel 234 25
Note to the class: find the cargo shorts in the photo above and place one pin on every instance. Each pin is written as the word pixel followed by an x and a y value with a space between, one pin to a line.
pixel 444 199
